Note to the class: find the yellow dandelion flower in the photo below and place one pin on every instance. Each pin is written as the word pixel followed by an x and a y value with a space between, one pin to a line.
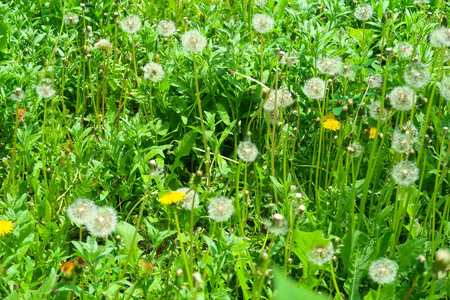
pixel 331 123
pixel 6 227
pixel 67 268
pixel 172 197
pixel 372 133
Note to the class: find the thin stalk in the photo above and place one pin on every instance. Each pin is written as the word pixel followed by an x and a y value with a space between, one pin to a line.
pixel 200 111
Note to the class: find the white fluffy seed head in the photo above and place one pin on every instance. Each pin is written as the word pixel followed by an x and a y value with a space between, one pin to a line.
pixel 247 151
pixel 45 89
pixel 278 225
pixel 440 37
pixel 320 255
pixel 403 49
pixel 375 110
pixel 104 222
pixel 283 99
pixel 444 88
pixel 314 88
pixel 104 45
pixel 131 24
pixel 405 173
pixel 82 211
pixel 355 149
pixel 189 199
pixel 262 23
pixel 417 75
pixel 401 98
pixel 375 81
pixel 153 72
pixel 166 28
pixel 17 95
pixel 193 41
pixel 220 209
pixel 383 271
pixel 363 12
pixel 71 19
pixel 329 65
pixel 347 72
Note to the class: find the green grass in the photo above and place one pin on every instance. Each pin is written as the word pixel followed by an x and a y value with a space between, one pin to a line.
pixel 122 141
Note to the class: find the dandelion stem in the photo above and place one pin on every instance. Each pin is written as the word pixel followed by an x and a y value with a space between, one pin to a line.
pixel 202 123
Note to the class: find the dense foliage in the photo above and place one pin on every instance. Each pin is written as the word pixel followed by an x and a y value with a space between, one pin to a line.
pixel 211 149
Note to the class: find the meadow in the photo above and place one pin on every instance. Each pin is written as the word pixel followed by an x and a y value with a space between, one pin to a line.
pixel 223 149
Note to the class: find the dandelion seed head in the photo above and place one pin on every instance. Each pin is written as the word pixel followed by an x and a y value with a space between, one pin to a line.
pixel 314 88
pixel 347 72
pixel 417 75
pixel 401 98
pixel 153 72
pixel 375 109
pixel 355 149
pixel 289 60
pixel 82 211
pixel 283 99
pixel 193 41
pixel 189 199
pixel 444 88
pixel 104 222
pixel 131 24
pixel 363 12
pixel 329 65
pixel 104 45
pixel 247 151
pixel 383 271
pixel 440 37
pixel 166 28
pixel 71 19
pixel 45 89
pixel 17 95
pixel 220 209
pixel 320 255
pixel 278 225
pixel 405 173
pixel 262 23
pixel 375 81
pixel 403 49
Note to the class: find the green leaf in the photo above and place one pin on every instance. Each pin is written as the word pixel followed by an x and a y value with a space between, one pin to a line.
pixel 126 232
pixel 223 114
pixel 304 242
pixel 337 110
pixel 3 32
pixel 185 145
pixel 358 251
pixel 409 251
pixel 358 33
pixel 287 289
pixel 47 287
